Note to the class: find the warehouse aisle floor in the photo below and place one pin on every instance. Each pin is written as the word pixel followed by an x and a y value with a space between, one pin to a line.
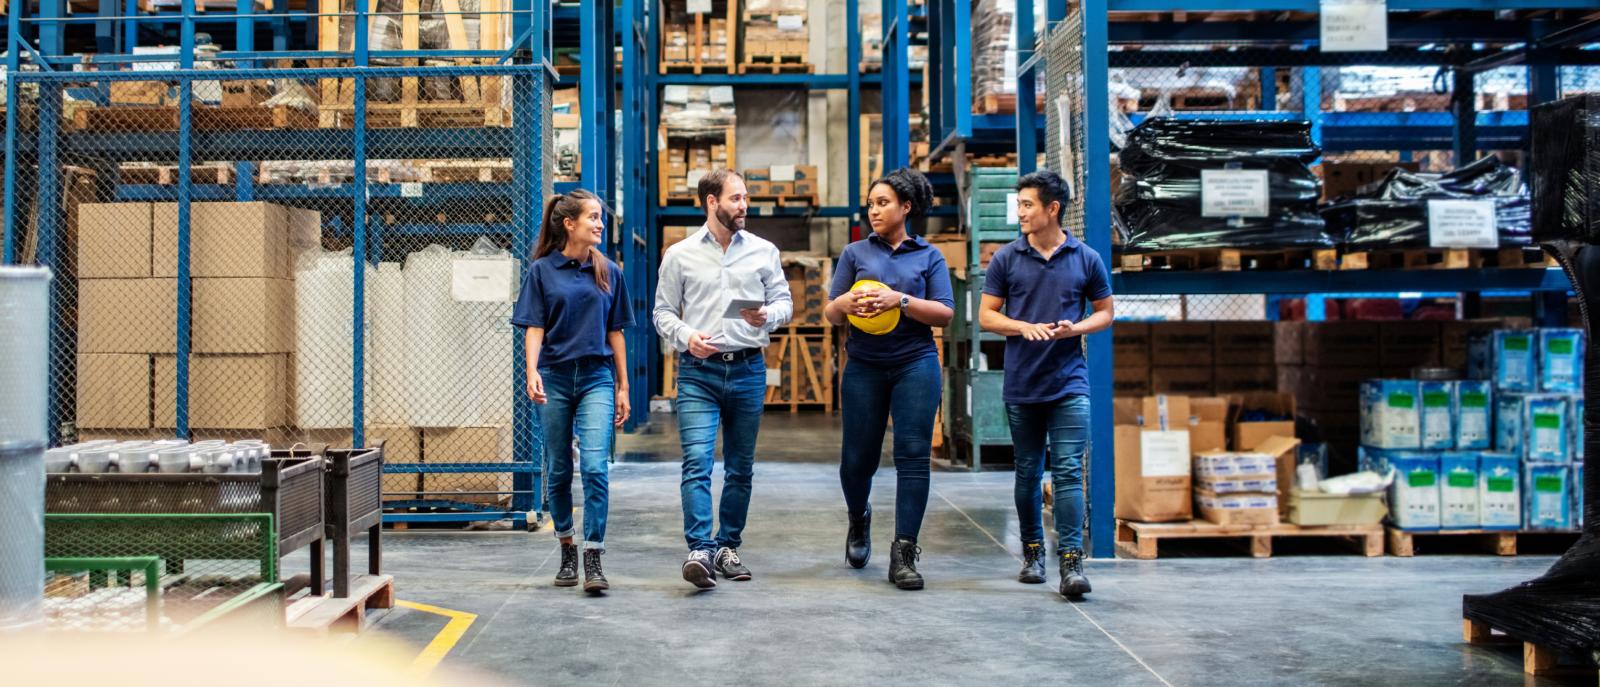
pixel 808 619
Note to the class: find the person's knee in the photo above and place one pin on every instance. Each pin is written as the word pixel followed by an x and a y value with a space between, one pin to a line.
pixel 912 465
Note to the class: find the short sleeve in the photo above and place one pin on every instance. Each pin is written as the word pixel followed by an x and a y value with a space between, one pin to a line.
pixel 996 277
pixel 937 278
pixel 529 310
pixel 844 274
pixel 1097 285
pixel 621 305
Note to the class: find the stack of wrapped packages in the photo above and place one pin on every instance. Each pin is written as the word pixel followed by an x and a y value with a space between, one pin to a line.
pixel 1393 212
pixel 1160 206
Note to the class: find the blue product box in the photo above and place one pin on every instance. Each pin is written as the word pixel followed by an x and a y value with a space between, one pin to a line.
pixel 1499 491
pixel 1414 495
pixel 1438 416
pixel 1390 416
pixel 1561 360
pixel 1547 502
pixel 1509 412
pixel 1507 357
pixel 1473 422
pixel 1458 490
pixel 1576 421
pixel 1547 434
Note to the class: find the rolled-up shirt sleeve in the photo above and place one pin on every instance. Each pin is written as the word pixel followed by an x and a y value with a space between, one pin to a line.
pixel 668 313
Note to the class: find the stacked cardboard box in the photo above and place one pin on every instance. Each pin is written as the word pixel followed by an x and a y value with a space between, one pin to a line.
pixel 809 277
pixel 1156 437
pixel 690 33
pixel 782 180
pixel 486 444
pixel 775 28
pixel 401 446
pixel 1245 488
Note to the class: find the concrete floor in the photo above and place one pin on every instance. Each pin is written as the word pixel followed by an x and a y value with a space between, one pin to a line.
pixel 808 619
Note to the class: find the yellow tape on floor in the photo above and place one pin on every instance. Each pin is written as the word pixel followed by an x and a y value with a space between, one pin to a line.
pixel 443 642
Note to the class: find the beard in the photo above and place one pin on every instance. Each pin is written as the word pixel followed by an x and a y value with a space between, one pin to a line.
pixel 729 221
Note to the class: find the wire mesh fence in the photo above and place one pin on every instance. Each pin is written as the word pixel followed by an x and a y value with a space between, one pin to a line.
pixel 323 256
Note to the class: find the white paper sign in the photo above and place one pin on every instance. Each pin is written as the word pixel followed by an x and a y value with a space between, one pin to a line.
pixel 1462 224
pixel 476 280
pixel 1233 193
pixel 1164 454
pixel 411 189
pixel 774 377
pixel 1011 208
pixel 699 6
pixel 791 23
pixel 1355 26
pixel 693 182
pixel 782 173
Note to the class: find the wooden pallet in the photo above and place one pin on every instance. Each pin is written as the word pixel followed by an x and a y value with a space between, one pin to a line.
pixel 138 118
pixel 1229 260
pixel 1537 661
pixel 464 171
pixel 323 615
pixel 1500 542
pixel 1139 539
pixel 805 358
pixel 664 180
pixel 1002 104
pixel 786 201
pixel 168 175
pixel 1191 99
pixel 441 115
pixel 775 64
pixel 1445 259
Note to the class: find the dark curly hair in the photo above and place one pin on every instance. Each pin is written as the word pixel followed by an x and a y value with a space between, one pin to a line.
pixel 909 186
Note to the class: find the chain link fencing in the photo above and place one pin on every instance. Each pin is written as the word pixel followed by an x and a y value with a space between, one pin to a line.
pixel 208 262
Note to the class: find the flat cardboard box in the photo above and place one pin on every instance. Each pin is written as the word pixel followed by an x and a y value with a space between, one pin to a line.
pixel 226 240
pixel 1316 509
pixel 783 188
pixel 1242 380
pixel 1255 517
pixel 672 235
pixel 1154 412
pixel 566 121
pixel 243 315
pixel 1249 436
pixel 245 93
pixel 114 240
pixel 805 188
pixel 487 444
pixel 140 92
pixel 1152 475
pixel 113 391
pixel 1244 343
pixel 953 247
pixel 1409 343
pixel 1181 344
pixel 758 188
pixel 1187 380
pixel 806 172
pixel 248 392
pixel 1286 451
pixel 1130 381
pixel 1130 345
pixel 127 316
pixel 1341 343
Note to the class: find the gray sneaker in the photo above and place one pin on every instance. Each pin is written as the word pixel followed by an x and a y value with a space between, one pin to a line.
pixel 730 566
pixel 697 570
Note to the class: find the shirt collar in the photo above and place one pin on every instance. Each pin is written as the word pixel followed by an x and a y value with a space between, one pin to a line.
pixel 706 235
pixel 561 262
pixel 912 242
pixel 1026 248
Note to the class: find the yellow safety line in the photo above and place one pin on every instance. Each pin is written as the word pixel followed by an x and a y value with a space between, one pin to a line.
pixel 443 642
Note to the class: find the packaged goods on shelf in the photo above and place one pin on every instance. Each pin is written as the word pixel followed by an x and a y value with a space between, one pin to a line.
pixel 872 43
pixel 1414 498
pixel 324 360
pixel 1458 490
pixel 1157 85
pixel 1153 459
pixel 697 107
pixel 1390 418
pixel 1547 496
pixel 1472 403
pixel 1565 169
pixel 1534 427
pixel 994 48
pixel 1162 202
pixel 1561 360
pixel 1437 413
pixel 1499 491
pixel 1507 357
pixel 1393 213
pixel 1577 430
pixel 775 28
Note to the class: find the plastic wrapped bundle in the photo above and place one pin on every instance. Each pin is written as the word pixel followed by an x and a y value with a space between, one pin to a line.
pixel 490 333
pixel 1159 202
pixel 1393 213
pixel 386 392
pixel 24 370
pixel 439 384
pixel 324 308
pixel 1566 169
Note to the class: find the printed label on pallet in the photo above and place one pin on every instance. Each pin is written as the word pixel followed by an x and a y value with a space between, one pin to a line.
pixel 1462 224
pixel 1233 193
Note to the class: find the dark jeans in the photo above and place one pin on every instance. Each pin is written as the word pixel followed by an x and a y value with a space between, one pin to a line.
pixel 581 403
pixel 1063 426
pixel 712 393
pixel 870 395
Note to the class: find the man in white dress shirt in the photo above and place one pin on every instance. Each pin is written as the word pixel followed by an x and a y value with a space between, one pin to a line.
pixel 717 271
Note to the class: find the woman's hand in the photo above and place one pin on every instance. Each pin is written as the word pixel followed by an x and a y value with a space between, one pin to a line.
pixel 870 302
pixel 624 408
pixel 536 387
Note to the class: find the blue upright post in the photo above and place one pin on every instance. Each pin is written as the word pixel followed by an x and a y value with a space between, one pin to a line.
pixel 244 178
pixel 1097 229
pixel 52 35
pixel 1543 75
pixel 359 228
pixel 852 51
pixel 596 122
pixel 51 213
pixel 13 62
pixel 105 31
pixel 1027 116
pixel 185 195
pixel 1269 88
pixel 130 26
pixel 635 228
pixel 961 75
pixel 527 172
pixel 896 86
pixel 650 187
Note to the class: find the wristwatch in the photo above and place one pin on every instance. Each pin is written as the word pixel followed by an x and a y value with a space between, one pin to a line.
pixel 904 301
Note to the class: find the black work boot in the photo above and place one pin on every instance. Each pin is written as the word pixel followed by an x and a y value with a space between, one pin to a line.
pixel 594 579
pixel 1032 564
pixel 1073 582
pixel 858 542
pixel 903 564
pixel 567 576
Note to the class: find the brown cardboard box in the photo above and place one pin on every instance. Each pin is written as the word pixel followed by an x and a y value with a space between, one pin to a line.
pixel 127 316
pixel 226 391
pixel 1130 345
pixel 113 391
pixel 1249 436
pixel 806 187
pixel 1189 381
pixel 1152 475
pixel 1243 343
pixel 401 446
pixel 114 240
pixel 1130 381
pixel 1208 424
pixel 226 240
pixel 672 235
pixel 1186 344
pixel 1251 379
pixel 1289 343
pixel 758 174
pixel 1341 343
pixel 987 249
pixel 783 188
pixel 808 276
pixel 1409 343
pixel 676 53
pixel 566 121
pixel 954 248
pixel 239 93
pixel 1287 452
pixel 488 444
pixel 1332 387
pixel 243 315
pixel 1253 517
pixel 677 169
pixel 806 173
pixel 140 92
pixel 759 188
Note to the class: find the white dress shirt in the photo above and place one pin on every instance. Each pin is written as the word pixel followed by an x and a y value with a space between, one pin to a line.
pixel 698 280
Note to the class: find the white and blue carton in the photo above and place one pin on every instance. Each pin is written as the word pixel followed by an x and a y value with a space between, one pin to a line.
pixel 1390 417
pixel 1547 433
pixel 1509 412
pixel 1499 491
pixel 1561 360
pixel 1458 490
pixel 1507 357
pixel 1474 417
pixel 1576 421
pixel 1547 501
pixel 1414 495
pixel 1438 415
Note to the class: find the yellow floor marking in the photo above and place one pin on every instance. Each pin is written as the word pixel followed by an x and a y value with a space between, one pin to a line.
pixel 443 642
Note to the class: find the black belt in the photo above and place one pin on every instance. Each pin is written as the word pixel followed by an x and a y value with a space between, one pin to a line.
pixel 730 356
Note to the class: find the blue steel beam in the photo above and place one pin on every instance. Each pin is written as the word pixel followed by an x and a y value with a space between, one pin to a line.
pixel 1335 281
pixel 50 216
pixel 1101 485
pixel 635 223
pixel 1244 33
pixel 896 91
pixel 185 155
pixel 853 143
pixel 1027 79
pixel 13 64
pixel 1314 6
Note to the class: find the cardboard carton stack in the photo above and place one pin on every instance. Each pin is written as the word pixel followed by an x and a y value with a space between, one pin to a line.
pixel 782 180
pixel 809 277
pixel 1156 437
pixel 775 29
pixel 1246 487
pixel 695 32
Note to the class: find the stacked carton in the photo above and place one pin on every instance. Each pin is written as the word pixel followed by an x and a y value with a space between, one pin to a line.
pixel 782 180
pixel 775 29
pixel 690 34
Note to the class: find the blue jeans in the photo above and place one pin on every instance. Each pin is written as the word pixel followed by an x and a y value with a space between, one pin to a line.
pixel 869 395
pixel 581 398
pixel 1064 425
pixel 730 394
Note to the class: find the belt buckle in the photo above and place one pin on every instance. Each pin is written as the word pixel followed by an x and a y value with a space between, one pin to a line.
pixel 727 357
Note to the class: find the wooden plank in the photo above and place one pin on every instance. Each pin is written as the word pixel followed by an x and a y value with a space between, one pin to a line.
pixel 489 38
pixel 456 27
pixel 325 614
pixel 1537 660
pixel 1474 632
pixel 410 39
pixel 328 41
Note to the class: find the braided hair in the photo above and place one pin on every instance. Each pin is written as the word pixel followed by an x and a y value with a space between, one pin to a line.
pixel 909 186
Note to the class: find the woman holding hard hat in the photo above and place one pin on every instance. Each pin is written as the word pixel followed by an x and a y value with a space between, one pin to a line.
pixel 893 289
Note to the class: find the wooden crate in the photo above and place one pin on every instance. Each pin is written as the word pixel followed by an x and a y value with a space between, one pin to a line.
pixel 668 194
pixel 699 40
pixel 1499 542
pixel 804 362
pixel 1139 539
pixel 1446 259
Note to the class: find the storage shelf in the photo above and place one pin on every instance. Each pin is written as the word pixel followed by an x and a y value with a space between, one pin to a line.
pixel 1339 281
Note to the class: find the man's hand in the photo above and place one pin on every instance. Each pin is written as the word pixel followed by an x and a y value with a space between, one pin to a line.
pixel 623 407
pixel 755 317
pixel 1063 330
pixel 1038 332
pixel 536 387
pixel 700 347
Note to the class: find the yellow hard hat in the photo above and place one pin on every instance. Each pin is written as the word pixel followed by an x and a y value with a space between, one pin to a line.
pixel 881 323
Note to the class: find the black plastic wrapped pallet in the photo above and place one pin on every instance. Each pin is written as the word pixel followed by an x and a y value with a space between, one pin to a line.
pixel 1393 213
pixel 1158 206
pixel 1565 169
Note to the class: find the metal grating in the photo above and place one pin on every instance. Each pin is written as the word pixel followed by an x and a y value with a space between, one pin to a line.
pixel 1064 79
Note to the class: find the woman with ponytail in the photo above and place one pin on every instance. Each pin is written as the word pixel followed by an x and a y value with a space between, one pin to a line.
pixel 573 308
pixel 892 372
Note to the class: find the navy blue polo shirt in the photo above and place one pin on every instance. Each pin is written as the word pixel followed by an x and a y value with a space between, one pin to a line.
pixel 915 269
pixel 1039 290
pixel 559 296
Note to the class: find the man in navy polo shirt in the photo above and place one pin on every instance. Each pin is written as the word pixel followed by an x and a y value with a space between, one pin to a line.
pixel 1034 293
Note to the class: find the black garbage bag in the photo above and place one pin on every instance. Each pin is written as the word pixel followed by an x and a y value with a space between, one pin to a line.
pixel 1393 212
